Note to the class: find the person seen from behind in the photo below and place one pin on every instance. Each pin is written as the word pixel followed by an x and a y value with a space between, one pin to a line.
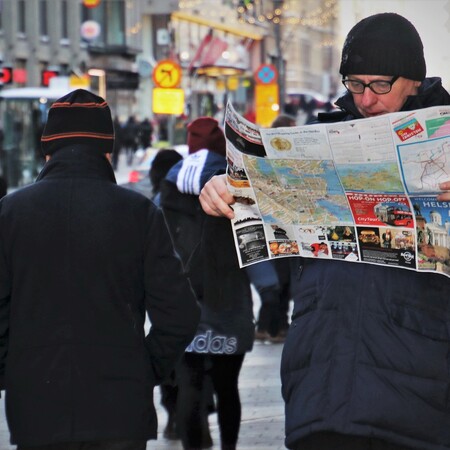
pixel 226 329
pixel 365 362
pixel 81 262
pixel 163 161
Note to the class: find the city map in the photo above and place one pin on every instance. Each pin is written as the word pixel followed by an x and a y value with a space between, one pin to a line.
pixel 362 191
pixel 425 165
pixel 374 177
pixel 298 192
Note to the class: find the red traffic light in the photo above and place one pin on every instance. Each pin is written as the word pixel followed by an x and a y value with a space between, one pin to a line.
pixel 47 75
pixel 6 75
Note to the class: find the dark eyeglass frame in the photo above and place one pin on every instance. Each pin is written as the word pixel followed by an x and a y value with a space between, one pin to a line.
pixel 370 85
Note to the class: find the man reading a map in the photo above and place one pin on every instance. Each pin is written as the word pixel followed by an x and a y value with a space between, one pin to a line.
pixel 366 361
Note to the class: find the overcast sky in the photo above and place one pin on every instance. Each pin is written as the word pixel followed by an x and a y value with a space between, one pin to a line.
pixel 430 17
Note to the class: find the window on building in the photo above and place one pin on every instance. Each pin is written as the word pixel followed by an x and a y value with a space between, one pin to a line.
pixel 111 17
pixel 43 22
pixel 327 58
pixel 21 15
pixel 306 53
pixel 64 20
pixel 1 15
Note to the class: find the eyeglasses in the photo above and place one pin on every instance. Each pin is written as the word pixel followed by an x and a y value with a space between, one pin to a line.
pixel 379 87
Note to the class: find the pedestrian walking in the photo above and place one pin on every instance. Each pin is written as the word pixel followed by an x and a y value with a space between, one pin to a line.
pixel 226 330
pixel 118 143
pixel 145 133
pixel 81 261
pixel 130 139
pixel 365 362
pixel 161 164
pixel 163 161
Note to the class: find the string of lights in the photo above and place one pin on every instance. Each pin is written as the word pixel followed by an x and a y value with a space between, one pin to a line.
pixel 263 12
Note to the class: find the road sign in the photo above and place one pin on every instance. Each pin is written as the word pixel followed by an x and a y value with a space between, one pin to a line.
pixel 91 3
pixel 168 101
pixel 167 74
pixel 266 74
pixel 267 104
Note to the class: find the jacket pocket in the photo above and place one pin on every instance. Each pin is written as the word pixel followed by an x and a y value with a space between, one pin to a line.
pixel 421 322
pixel 307 304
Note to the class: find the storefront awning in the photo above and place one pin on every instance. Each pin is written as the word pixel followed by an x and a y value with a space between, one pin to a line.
pixel 178 15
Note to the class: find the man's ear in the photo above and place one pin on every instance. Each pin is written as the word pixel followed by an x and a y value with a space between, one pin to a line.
pixel 108 156
pixel 47 157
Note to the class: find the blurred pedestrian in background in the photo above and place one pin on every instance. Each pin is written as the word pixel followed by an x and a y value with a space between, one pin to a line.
pixel 81 260
pixel 226 330
pixel 118 143
pixel 130 139
pixel 162 162
pixel 145 134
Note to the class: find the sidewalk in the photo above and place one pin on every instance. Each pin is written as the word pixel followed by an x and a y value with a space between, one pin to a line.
pixel 262 425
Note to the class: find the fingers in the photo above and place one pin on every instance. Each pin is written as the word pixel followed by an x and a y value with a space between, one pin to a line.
pixel 444 196
pixel 216 199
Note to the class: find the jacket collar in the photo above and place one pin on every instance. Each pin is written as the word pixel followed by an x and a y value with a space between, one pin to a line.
pixel 78 161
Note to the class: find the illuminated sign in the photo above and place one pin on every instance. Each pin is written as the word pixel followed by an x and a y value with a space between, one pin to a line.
pixel 6 75
pixel 46 75
pixel 91 3
pixel 168 101
pixel 266 74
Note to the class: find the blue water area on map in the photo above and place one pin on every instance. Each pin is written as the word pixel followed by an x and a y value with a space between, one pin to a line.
pixel 333 185
pixel 265 168
pixel 343 214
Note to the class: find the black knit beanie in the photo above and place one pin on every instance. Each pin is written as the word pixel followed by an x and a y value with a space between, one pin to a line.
pixel 384 44
pixel 79 117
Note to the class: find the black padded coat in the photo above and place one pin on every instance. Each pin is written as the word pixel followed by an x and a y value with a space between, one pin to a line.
pixel 368 350
pixel 81 261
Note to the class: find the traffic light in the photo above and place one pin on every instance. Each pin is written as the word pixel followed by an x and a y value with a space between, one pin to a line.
pixel 6 75
pixel 46 75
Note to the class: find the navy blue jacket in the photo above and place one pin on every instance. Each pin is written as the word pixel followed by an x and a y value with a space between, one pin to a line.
pixel 81 261
pixel 368 351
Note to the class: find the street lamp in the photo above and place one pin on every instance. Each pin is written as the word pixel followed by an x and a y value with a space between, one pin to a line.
pixel 277 7
pixel 101 74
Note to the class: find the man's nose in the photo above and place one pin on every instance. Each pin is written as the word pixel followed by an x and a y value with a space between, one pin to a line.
pixel 368 97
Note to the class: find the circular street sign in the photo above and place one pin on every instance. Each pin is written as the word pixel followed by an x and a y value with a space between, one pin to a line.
pixel 266 74
pixel 91 3
pixel 90 30
pixel 167 74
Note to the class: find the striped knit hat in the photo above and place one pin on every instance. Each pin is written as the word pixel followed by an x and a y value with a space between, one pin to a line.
pixel 79 117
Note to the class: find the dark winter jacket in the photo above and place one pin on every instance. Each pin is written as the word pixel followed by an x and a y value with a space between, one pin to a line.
pixel 367 353
pixel 81 261
pixel 206 246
